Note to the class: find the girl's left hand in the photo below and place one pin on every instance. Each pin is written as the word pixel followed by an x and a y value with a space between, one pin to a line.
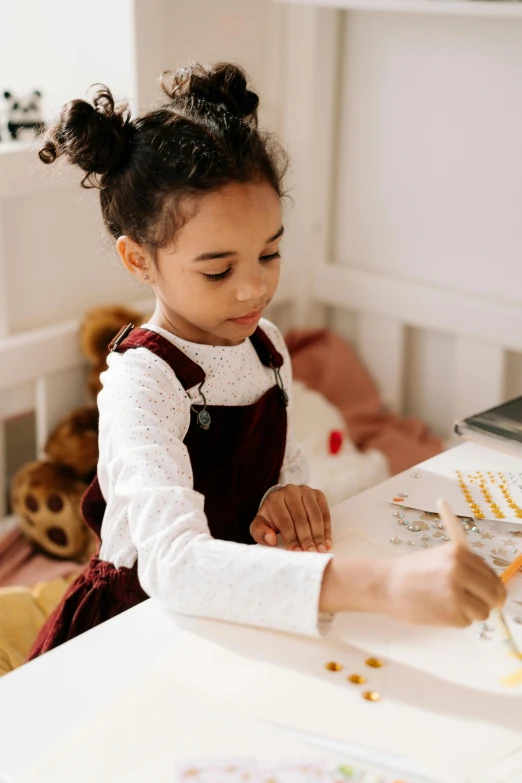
pixel 300 514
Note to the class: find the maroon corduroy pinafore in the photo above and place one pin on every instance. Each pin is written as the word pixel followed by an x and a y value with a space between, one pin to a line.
pixel 235 460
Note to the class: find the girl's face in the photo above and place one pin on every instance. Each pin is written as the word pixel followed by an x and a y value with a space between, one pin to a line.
pixel 214 283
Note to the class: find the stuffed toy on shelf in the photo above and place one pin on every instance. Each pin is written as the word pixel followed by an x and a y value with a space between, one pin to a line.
pixel 46 494
pixel 21 116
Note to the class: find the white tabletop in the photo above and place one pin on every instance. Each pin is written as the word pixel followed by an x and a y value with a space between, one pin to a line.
pixel 47 698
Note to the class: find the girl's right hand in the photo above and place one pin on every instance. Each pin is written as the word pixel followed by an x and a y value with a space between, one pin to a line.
pixel 448 585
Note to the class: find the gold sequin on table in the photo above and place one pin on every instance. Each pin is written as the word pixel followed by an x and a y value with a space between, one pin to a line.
pixel 371 695
pixel 375 663
pixel 357 679
pixel 333 666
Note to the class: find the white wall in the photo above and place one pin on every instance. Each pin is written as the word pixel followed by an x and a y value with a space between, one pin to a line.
pixel 429 182
pixel 63 47
pixel 242 31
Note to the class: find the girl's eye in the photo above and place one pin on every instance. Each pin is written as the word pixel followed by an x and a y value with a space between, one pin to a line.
pixel 220 276
pixel 271 257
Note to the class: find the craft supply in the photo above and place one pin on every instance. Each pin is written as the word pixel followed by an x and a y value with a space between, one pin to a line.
pixel 456 534
pixel 375 663
pixel 357 679
pixel 468 496
pixel 333 666
pixel 371 695
pixel 511 569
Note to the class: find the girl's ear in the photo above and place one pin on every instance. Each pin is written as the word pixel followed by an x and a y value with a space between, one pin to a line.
pixel 135 259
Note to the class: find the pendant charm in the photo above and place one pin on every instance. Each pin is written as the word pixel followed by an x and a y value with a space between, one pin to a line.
pixel 204 420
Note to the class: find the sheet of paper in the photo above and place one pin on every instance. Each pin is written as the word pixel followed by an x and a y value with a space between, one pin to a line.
pixel 167 731
pixel 421 489
pixel 475 657
pixel 452 734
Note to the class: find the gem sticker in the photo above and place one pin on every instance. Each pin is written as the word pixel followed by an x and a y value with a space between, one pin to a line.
pixel 357 679
pixel 333 666
pixel 375 663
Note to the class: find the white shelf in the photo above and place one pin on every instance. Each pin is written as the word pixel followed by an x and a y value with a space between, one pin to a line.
pixel 490 8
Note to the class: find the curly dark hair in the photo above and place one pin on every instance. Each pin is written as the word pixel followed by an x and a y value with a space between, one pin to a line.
pixel 204 137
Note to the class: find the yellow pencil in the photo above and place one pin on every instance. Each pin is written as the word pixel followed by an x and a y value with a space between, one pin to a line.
pixel 511 569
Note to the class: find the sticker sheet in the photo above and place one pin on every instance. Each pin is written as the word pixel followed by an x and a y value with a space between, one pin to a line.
pixel 479 494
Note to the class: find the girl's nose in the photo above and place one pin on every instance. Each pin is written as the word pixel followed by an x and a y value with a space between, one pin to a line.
pixel 252 288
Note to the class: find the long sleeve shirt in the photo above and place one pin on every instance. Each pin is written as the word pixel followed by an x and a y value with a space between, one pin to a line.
pixel 154 514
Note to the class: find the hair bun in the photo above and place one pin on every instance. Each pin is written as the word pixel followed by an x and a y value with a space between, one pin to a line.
pixel 93 136
pixel 221 84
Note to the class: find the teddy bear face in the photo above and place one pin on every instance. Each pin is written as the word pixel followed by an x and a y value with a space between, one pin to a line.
pixel 23 114
pixel 46 497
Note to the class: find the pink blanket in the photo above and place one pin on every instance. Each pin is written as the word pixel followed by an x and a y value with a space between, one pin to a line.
pixel 21 565
pixel 325 362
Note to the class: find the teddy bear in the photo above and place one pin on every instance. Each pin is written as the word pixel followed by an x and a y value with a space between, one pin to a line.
pixel 22 116
pixel 46 494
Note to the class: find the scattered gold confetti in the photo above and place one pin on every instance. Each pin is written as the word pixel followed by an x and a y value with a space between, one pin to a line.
pixel 513 679
pixel 333 666
pixel 375 663
pixel 371 695
pixel 357 679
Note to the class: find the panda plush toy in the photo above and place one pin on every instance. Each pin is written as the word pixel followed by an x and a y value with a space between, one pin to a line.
pixel 21 116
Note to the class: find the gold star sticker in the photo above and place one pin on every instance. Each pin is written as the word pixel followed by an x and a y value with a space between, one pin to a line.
pixel 478 544
pixel 487 535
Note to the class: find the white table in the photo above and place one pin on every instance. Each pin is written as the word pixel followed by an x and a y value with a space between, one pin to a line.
pixel 47 698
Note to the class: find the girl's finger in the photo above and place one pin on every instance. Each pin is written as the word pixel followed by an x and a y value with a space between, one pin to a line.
pixel 295 506
pixel 315 518
pixel 483 583
pixel 282 521
pixel 474 608
pixel 327 519
pixel 262 533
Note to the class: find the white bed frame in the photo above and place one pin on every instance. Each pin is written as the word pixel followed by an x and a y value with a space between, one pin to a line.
pixel 42 368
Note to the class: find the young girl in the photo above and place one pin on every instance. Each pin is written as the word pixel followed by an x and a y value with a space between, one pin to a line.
pixel 197 457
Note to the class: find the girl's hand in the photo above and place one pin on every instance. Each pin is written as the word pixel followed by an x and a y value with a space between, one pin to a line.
pixel 446 586
pixel 300 514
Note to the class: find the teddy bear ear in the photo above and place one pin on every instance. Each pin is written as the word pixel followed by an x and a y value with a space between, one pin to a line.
pixel 37 93
pixel 7 94
pixel 74 442
pixel 100 326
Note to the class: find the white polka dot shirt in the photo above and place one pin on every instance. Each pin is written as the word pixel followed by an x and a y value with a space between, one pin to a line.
pixel 154 514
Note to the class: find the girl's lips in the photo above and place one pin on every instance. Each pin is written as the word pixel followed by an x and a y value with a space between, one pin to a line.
pixel 250 318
